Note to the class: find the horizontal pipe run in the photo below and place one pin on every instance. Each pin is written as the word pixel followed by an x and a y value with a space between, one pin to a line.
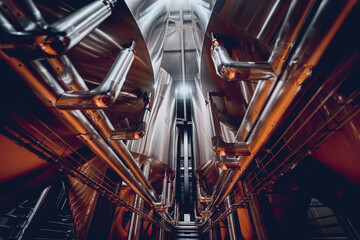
pixel 139 130
pixel 225 149
pixel 227 163
pixel 231 70
pixel 106 93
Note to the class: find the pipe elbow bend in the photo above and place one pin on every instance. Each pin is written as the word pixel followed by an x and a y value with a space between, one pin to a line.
pixel 229 149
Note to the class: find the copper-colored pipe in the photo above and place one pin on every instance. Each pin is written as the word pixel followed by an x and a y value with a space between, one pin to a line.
pixel 47 89
pixel 288 34
pixel 293 22
pixel 101 122
pixel 307 55
pixel 74 120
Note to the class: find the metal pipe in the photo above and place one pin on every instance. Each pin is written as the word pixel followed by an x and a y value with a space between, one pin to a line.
pixel 163 198
pixel 59 37
pixel 219 184
pixel 230 220
pixel 135 224
pixel 105 94
pixel 307 55
pixel 220 147
pixel 169 194
pixel 176 213
pixel 202 199
pixel 139 130
pixel 203 213
pixel 183 60
pixel 231 70
pixel 288 34
pixel 99 119
pixel 71 29
pixel 30 16
pixel 197 217
pixel 47 90
pixel 289 31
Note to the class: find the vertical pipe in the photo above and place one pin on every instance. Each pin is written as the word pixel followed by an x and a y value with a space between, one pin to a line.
pixel 162 233
pixel 256 218
pixel 135 224
pixel 183 60
pixel 186 165
pixel 230 220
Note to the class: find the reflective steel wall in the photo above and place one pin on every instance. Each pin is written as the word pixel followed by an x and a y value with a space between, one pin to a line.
pixel 159 140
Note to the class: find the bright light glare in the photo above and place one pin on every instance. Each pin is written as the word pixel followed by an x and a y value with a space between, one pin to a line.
pixel 183 91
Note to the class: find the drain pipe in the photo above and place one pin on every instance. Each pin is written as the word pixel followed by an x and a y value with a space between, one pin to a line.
pixel 307 55
pixel 105 94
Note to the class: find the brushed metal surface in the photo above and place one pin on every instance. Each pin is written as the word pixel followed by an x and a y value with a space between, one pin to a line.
pixel 159 141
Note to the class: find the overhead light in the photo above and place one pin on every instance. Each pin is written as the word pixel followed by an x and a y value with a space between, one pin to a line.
pixel 183 90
